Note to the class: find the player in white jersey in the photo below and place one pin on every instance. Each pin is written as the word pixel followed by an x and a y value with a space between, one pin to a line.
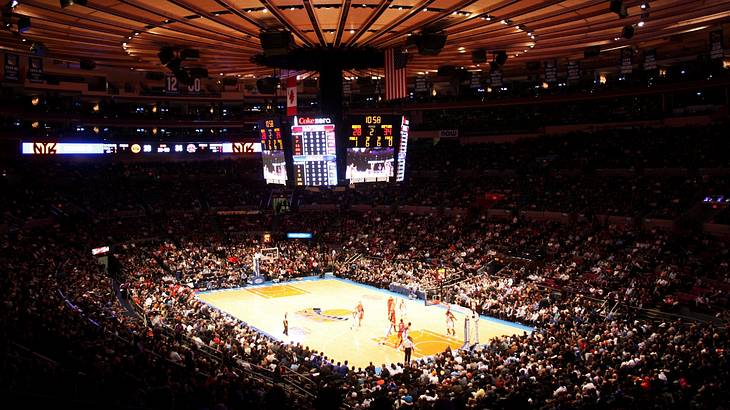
pixel 403 309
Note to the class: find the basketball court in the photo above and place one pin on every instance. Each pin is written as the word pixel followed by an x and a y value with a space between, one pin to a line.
pixel 320 314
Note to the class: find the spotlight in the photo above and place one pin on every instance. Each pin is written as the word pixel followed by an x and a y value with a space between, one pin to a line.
pixel 66 3
pixel 14 4
pixel 645 5
pixel 640 24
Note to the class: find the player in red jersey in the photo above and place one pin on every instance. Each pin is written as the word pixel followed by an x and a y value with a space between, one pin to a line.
pixel 401 330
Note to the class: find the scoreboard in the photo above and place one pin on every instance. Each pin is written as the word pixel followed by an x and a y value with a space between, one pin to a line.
pixel 402 149
pixel 137 148
pixel 314 151
pixel 372 131
pixel 271 139
pixel 272 152
pixel 372 142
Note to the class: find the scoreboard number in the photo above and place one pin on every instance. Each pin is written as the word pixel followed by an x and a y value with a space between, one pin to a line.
pixel 170 84
pixel 194 87
pixel 378 133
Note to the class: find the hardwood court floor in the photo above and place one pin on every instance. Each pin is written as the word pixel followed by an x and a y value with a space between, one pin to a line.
pixel 320 316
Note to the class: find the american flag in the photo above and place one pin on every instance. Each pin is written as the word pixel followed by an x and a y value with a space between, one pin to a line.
pixel 395 74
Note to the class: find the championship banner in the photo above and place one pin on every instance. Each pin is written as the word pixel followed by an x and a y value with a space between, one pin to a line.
pixel 573 71
pixel 551 71
pixel 476 80
pixel 421 86
pixel 496 78
pixel 627 60
pixel 650 59
pixel 346 87
pixel 35 69
pixel 716 44
pixel 291 96
pixel 12 67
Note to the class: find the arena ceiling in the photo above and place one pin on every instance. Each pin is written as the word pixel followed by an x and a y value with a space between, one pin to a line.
pixel 129 33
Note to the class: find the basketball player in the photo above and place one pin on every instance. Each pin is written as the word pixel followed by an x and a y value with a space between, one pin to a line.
pixel 286 325
pixel 360 313
pixel 391 307
pixel 401 330
pixel 402 308
pixel 391 324
pixel 450 320
pixel 475 319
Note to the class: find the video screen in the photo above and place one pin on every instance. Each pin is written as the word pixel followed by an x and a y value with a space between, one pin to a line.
pixel 314 151
pixel 272 152
pixel 274 167
pixel 369 164
pixel 371 148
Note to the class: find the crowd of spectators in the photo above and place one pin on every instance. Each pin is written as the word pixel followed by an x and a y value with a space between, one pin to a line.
pixel 583 353
pixel 137 337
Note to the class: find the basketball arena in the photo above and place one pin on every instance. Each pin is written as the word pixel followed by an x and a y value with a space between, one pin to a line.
pixel 365 204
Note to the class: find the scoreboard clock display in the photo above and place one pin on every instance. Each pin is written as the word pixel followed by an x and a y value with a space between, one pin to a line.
pixel 272 152
pixel 271 138
pixel 314 151
pixel 373 131
pixel 372 143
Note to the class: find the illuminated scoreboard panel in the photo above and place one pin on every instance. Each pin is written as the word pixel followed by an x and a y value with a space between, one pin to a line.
pixel 314 152
pixel 271 138
pixel 371 148
pixel 135 148
pixel 272 152
pixel 402 150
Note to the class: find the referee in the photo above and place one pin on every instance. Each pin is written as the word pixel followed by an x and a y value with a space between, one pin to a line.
pixel 408 349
